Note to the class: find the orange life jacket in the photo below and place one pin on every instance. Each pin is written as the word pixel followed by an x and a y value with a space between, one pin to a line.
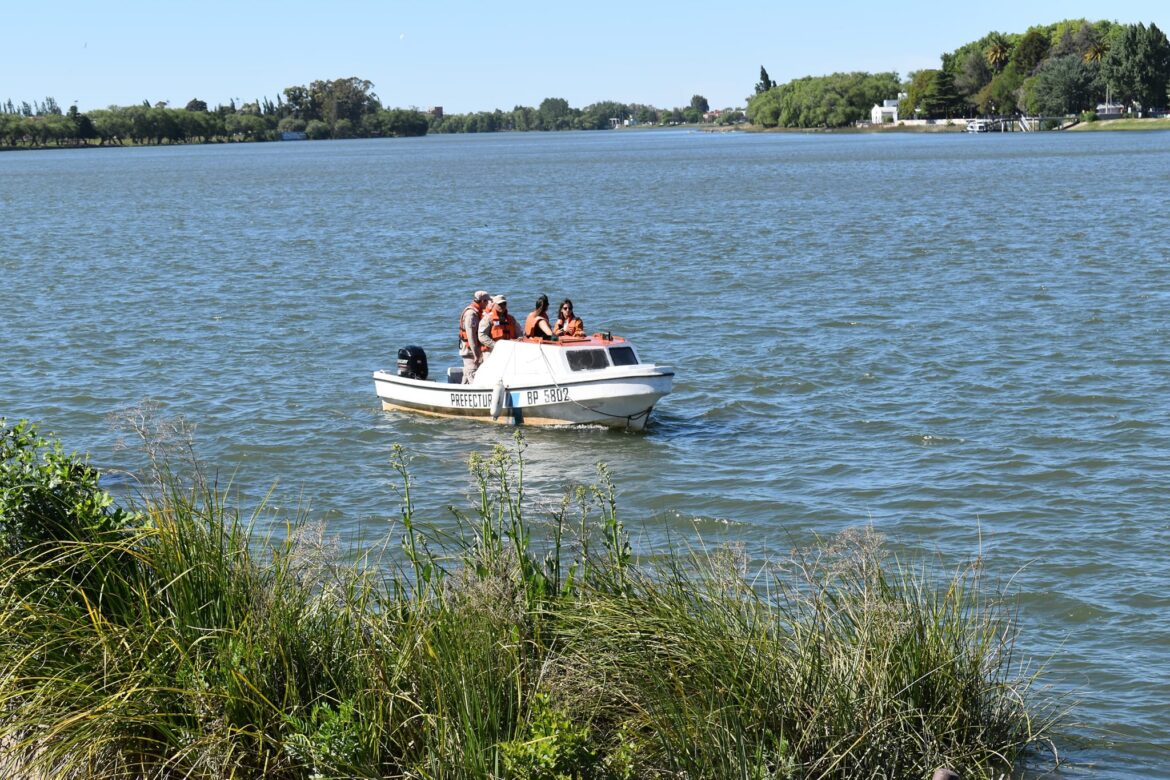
pixel 530 328
pixel 571 327
pixel 463 339
pixel 502 329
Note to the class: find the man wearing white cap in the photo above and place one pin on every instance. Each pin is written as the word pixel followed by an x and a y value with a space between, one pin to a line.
pixel 497 324
pixel 470 348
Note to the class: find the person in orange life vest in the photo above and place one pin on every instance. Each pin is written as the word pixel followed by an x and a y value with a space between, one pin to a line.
pixel 469 347
pixel 536 326
pixel 568 323
pixel 497 324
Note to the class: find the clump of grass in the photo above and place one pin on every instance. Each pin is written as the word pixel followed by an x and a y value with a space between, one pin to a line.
pixel 167 639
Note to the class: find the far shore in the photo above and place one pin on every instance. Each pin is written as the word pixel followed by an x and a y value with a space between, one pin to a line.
pixel 1157 123
pixel 1127 124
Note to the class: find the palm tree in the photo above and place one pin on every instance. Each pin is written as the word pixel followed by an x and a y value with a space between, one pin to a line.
pixel 998 51
pixel 1097 51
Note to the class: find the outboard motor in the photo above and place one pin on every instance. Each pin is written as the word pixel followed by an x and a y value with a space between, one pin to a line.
pixel 412 363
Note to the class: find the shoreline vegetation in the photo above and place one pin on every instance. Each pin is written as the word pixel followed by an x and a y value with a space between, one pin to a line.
pixel 167 636
pixel 1128 124
pixel 1069 71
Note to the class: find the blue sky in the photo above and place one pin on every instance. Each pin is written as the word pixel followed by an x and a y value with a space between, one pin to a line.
pixel 472 56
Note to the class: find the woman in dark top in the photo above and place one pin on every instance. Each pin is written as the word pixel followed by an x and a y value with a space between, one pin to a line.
pixel 536 326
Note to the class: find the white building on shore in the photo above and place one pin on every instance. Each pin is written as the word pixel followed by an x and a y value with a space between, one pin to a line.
pixel 886 113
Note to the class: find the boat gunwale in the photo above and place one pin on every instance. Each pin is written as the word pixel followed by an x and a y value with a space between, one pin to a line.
pixel 484 415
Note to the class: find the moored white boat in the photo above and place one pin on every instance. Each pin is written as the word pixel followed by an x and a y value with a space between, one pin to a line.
pixel 598 380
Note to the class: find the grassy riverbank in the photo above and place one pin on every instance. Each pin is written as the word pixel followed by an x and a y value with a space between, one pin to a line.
pixel 166 639
pixel 1104 125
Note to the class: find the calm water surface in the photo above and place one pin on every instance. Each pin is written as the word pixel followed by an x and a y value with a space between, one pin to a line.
pixel 961 341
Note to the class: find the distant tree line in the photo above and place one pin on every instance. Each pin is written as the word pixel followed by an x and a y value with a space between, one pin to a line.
pixel 341 108
pixel 556 114
pixel 1058 69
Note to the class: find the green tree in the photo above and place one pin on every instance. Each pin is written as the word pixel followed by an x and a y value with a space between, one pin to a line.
pixel 349 99
pixel 11 128
pixel 300 103
pixel 140 129
pixel 1137 66
pixel 699 104
pixel 46 495
pixel 55 128
pixel 395 123
pixel 998 51
pixel 316 129
pixel 525 118
pixel 1001 96
pixel 765 83
pixel 161 125
pixel 199 125
pixel 936 94
pixel 1030 51
pixel 246 127
pixel 290 124
pixel 973 74
pixel 196 105
pixel 83 125
pixel 1064 85
pixel 112 125
pixel 947 100
pixel 912 104
pixel 1073 36
pixel 555 114
pixel 1096 51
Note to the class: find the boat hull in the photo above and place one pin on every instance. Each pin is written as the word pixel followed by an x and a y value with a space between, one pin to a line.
pixel 616 401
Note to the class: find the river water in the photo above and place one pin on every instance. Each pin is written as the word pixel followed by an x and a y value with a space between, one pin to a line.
pixel 959 340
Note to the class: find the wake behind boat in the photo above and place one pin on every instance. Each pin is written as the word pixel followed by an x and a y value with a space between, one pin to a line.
pixel 597 380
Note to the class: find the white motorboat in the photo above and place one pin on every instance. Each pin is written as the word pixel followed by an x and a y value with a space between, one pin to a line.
pixel 596 380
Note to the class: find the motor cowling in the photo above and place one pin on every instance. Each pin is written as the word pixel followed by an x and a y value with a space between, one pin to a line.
pixel 412 363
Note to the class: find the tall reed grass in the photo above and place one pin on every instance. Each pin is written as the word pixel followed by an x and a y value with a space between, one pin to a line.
pixel 167 639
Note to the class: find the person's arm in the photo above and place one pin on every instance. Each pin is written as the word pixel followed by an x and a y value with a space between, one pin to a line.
pixel 485 331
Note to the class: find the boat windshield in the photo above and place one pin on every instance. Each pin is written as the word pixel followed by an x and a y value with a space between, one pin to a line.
pixel 587 359
pixel 623 356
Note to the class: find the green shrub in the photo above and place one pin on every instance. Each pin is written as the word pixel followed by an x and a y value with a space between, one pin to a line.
pixel 171 641
pixel 551 747
pixel 48 496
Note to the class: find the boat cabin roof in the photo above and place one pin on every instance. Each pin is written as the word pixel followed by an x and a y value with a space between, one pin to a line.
pixel 596 340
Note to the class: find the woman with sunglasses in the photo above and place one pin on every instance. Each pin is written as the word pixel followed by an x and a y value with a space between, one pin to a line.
pixel 568 323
